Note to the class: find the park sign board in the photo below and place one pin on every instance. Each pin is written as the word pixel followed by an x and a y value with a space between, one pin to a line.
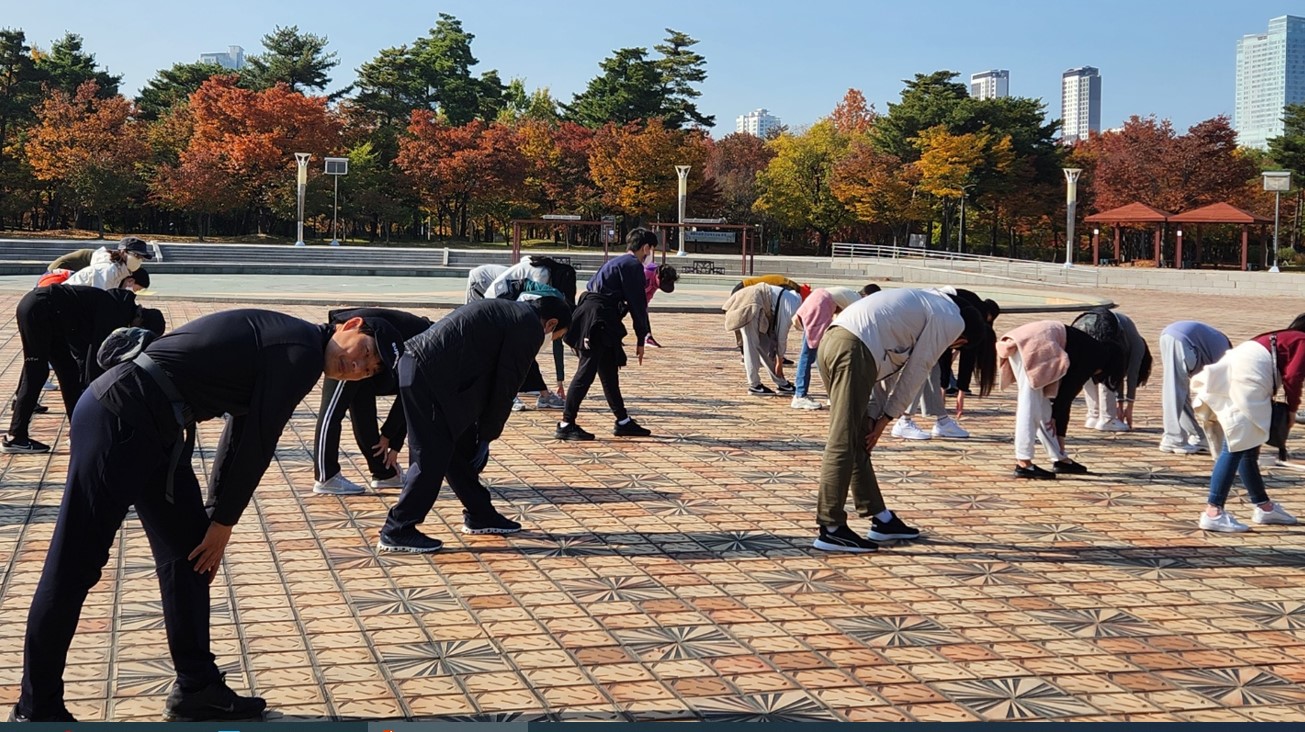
pixel 706 237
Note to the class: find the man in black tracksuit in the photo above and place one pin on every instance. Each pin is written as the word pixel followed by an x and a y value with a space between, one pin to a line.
pixel 381 449
pixel 615 289
pixel 457 381
pixel 134 436
pixel 63 326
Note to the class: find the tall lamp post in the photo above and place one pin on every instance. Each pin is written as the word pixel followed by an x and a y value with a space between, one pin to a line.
pixel 965 189
pixel 302 160
pixel 336 167
pixel 683 172
pixel 1071 202
pixel 1276 181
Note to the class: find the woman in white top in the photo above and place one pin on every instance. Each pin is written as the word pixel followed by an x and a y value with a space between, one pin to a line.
pixel 109 267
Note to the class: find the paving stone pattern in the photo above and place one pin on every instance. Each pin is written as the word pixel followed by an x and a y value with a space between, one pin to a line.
pixel 672 577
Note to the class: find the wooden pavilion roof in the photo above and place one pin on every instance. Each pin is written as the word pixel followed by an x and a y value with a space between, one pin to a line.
pixel 1219 213
pixel 1133 213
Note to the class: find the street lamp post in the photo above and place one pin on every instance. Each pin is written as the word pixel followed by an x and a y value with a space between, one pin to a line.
pixel 683 172
pixel 964 191
pixel 336 167
pixel 1071 202
pixel 1276 181
pixel 302 160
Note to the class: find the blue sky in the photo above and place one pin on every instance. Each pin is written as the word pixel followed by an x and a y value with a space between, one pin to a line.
pixel 1171 58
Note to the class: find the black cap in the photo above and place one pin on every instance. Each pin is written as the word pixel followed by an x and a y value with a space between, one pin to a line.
pixel 136 246
pixel 389 342
pixel 141 277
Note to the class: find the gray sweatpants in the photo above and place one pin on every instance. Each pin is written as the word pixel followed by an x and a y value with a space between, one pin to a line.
pixel 1177 358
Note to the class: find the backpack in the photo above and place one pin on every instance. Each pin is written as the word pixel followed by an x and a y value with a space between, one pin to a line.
pixel 123 345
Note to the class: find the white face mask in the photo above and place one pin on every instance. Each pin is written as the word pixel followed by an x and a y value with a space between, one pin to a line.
pixel 652 257
pixel 133 263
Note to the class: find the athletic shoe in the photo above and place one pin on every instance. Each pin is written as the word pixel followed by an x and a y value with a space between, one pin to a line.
pixel 1091 422
pixel 952 391
pixel 61 716
pixel 1224 523
pixel 1188 449
pixel 894 529
pixel 1113 425
pixel 394 481
pixel 214 702
pixel 411 541
pixel 843 539
pixel 649 340
pixel 788 362
pixel 786 389
pixel 630 429
pixel 22 447
pixel 947 427
pixel 805 403
pixel 338 485
pixel 518 405
pixel 1300 416
pixel 573 432
pixel 496 524
pixel 1277 515
pixel 40 409
pixel 552 401
pixel 50 385
pixel 761 390
pixel 1069 467
pixel 1033 472
pixel 905 428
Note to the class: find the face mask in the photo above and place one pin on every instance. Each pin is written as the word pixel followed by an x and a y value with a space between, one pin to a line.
pixel 649 259
pixel 133 263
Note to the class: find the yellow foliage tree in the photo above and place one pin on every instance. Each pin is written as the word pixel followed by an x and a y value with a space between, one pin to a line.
pixel 634 167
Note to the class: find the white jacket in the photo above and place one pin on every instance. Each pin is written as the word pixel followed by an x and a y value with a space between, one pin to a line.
pixel 1232 398
pixel 103 273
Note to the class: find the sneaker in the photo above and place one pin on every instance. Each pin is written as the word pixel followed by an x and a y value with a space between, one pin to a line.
pixel 573 432
pixel 1300 416
pixel 843 539
pixel 947 428
pixel 905 428
pixel 22 447
pixel 61 716
pixel 630 429
pixel 650 341
pixel 40 409
pixel 411 541
pixel 893 529
pixel 788 362
pixel 518 405
pixel 805 403
pixel 761 390
pixel 1069 467
pixel 1224 523
pixel 1113 425
pixel 952 391
pixel 1276 515
pixel 214 702
pixel 1033 472
pixel 338 485
pixel 394 481
pixel 552 401
pixel 786 389
pixel 1188 449
pixel 1091 422
pixel 50 385
pixel 496 524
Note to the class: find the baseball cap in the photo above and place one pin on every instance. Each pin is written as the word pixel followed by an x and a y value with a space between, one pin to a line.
pixel 135 246
pixel 389 343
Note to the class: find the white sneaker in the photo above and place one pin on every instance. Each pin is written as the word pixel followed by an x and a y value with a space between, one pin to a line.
pixel 906 429
pixel 338 485
pixel 805 403
pixel 1277 515
pixel 394 481
pixel 1106 424
pixel 1188 449
pixel 1300 416
pixel 948 428
pixel 518 405
pixel 1091 422
pixel 1224 523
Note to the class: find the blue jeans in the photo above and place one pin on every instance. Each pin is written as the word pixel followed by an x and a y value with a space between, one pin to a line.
pixel 803 378
pixel 1245 463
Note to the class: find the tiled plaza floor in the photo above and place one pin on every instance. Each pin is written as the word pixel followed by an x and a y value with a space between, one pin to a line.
pixel 672 577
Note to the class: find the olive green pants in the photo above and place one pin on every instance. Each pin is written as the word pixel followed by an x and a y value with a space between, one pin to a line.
pixel 849 374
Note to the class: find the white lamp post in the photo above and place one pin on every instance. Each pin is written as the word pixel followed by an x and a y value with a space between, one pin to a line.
pixel 683 172
pixel 1276 181
pixel 302 160
pixel 1071 202
pixel 336 167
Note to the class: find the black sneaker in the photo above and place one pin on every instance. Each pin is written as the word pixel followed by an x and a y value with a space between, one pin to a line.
pixel 1069 467
pixel 631 429
pixel 40 409
pixel 572 432
pixel 62 716
pixel 761 390
pixel 22 447
pixel 894 529
pixel 411 541
pixel 496 524
pixel 788 362
pixel 787 389
pixel 843 539
pixel 1033 472
pixel 953 391
pixel 214 702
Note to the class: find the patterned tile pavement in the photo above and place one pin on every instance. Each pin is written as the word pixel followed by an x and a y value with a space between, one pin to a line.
pixel 672 577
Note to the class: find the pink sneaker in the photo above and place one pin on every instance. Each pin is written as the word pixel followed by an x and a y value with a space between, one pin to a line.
pixel 649 340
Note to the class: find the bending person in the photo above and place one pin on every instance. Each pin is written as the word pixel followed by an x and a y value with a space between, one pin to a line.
pixel 813 318
pixel 1110 410
pixel 1186 347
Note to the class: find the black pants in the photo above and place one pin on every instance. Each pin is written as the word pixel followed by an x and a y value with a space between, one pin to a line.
pixel 114 466
pixel 535 378
pixel 359 399
pixel 434 456
pixel 45 344
pixel 603 363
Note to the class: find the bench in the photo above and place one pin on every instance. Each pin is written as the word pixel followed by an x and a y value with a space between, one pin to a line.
pixel 702 266
pixel 1107 262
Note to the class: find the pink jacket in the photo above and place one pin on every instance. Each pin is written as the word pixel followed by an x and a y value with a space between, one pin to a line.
pixel 650 281
pixel 816 313
pixel 1041 345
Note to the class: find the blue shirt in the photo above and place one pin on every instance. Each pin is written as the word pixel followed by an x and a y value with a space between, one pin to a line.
pixel 1208 343
pixel 622 278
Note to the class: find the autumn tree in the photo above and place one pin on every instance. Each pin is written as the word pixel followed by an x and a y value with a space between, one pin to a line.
pixel 797 186
pixel 173 86
pixel 634 166
pixel 735 162
pixel 877 187
pixel 298 60
pixel 853 116
pixel 89 148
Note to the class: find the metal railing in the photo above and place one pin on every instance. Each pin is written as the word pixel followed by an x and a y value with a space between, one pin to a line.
pixel 999 268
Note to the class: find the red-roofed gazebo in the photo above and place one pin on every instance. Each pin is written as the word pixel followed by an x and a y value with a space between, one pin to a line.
pixel 1133 213
pixel 1215 213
